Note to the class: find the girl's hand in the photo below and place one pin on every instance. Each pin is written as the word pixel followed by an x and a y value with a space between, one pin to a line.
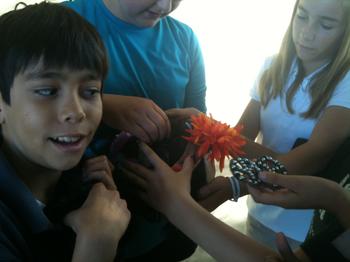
pixel 299 192
pixel 161 186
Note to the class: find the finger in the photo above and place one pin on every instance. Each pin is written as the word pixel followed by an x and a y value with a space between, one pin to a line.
pixel 111 166
pixel 286 181
pixel 97 189
pixel 141 133
pixel 284 248
pixel 154 159
pixel 182 113
pixel 166 127
pixel 93 166
pixel 150 127
pixel 93 160
pixel 281 198
pixel 138 169
pixel 137 130
pixel 135 179
pixel 101 176
pixel 190 150
pixel 187 167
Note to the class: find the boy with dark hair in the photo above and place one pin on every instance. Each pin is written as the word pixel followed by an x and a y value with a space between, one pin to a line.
pixel 52 64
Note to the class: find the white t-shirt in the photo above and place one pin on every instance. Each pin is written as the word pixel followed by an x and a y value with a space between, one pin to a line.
pixel 279 130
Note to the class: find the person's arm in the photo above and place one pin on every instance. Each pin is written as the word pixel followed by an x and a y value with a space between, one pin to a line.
pixel 139 116
pixel 330 131
pixel 102 219
pixel 168 192
pixel 196 87
pixel 305 192
pixel 99 224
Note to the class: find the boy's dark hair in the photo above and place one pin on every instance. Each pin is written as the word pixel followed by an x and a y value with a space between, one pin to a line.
pixel 51 33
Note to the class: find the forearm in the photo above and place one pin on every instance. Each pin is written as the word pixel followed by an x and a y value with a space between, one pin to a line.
pixel 341 208
pixel 218 239
pixel 87 249
pixel 304 160
pixel 254 150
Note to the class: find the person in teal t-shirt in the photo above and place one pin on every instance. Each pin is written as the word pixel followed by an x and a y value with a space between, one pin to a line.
pixel 152 56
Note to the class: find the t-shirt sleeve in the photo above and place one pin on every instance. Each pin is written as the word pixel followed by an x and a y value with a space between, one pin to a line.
pixel 254 91
pixel 196 88
pixel 341 95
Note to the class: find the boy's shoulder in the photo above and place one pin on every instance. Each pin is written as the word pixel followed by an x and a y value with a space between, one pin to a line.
pixel 178 25
pixel 13 247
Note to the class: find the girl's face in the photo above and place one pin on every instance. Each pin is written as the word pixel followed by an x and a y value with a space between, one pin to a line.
pixel 142 13
pixel 318 27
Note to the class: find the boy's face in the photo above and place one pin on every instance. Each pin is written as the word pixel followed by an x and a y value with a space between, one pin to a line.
pixel 53 115
pixel 142 13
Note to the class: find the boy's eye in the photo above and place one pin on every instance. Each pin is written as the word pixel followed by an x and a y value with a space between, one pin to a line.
pixel 91 92
pixel 46 91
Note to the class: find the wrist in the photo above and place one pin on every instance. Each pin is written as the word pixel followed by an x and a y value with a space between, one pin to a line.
pixel 89 247
pixel 177 206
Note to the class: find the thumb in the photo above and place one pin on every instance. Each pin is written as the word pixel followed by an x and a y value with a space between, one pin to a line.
pixel 284 248
pixel 274 178
pixel 70 220
pixel 188 167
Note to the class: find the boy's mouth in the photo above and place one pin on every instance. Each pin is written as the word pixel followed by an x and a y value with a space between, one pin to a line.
pixel 67 140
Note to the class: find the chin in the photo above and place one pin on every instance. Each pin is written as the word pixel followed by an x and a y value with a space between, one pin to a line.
pixel 65 165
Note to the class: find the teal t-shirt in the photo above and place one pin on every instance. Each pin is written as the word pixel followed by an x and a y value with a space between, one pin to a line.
pixel 163 63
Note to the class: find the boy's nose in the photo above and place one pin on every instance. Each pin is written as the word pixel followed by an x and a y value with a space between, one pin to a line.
pixel 72 111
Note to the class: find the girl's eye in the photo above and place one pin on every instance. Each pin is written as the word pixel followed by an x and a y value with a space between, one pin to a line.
pixel 301 17
pixel 46 91
pixel 326 27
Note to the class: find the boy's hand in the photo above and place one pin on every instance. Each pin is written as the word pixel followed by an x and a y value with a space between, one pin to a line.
pixel 298 192
pixel 101 221
pixel 138 116
pixel 215 193
pixel 160 187
pixel 181 114
pixel 99 169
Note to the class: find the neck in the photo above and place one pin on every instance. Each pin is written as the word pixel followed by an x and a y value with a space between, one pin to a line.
pixel 310 67
pixel 41 181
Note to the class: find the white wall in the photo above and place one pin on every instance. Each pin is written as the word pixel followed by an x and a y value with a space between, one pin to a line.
pixel 235 35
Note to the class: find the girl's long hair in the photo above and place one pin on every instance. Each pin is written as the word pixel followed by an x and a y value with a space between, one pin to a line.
pixel 274 79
